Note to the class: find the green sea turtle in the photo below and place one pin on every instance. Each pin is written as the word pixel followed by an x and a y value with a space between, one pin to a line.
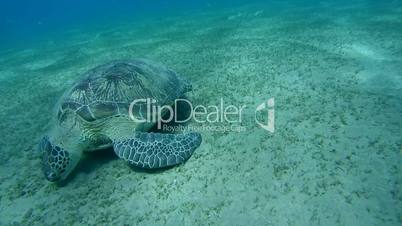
pixel 97 113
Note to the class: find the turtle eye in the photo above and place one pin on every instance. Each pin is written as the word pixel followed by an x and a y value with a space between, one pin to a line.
pixel 51 176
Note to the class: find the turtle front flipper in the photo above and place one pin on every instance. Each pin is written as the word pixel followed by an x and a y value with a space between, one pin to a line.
pixel 157 150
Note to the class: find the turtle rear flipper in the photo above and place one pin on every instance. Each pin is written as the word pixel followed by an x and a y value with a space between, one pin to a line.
pixel 157 150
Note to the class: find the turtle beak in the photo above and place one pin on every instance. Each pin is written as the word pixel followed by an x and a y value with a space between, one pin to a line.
pixel 52 177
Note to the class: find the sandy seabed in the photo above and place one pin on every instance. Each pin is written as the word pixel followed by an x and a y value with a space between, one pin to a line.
pixel 334 158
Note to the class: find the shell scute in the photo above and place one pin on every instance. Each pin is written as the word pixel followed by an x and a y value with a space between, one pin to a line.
pixel 109 89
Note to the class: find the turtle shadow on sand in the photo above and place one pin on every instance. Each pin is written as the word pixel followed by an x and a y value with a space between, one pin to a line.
pixel 90 162
pixel 93 161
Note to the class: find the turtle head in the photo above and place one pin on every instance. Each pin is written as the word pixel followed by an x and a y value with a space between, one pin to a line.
pixel 57 162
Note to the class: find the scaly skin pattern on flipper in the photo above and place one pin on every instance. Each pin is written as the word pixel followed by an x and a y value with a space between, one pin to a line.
pixel 156 150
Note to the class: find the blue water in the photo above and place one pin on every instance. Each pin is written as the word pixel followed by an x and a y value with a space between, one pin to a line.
pixel 24 20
